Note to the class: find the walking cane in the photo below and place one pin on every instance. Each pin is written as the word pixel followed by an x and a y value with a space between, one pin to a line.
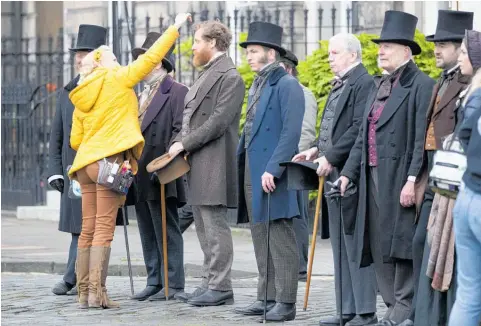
pixel 313 245
pixel 124 214
pixel 267 256
pixel 164 241
pixel 341 321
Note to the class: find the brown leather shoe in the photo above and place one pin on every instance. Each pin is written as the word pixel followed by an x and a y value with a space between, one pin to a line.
pixel 99 265
pixel 82 271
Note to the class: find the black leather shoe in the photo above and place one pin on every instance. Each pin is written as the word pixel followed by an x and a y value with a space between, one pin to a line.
pixel 255 309
pixel 282 312
pixel 212 298
pixel 62 287
pixel 334 320
pixel 302 277
pixel 74 291
pixel 149 290
pixel 161 295
pixel 184 297
pixel 362 320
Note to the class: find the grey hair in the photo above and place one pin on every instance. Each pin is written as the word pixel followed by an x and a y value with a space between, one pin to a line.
pixel 351 43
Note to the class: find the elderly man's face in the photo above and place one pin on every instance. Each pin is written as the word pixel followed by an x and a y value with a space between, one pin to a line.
pixel 446 54
pixel 392 55
pixel 79 56
pixel 339 58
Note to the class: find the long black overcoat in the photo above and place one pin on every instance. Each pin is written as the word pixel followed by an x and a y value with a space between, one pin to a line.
pixel 400 146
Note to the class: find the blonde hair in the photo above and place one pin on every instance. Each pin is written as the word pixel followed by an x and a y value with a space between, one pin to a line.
pixel 92 60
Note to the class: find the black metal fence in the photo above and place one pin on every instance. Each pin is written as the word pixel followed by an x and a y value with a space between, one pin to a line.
pixel 32 71
pixel 295 22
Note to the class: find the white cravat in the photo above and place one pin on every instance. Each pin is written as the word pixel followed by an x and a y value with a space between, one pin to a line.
pixel 145 94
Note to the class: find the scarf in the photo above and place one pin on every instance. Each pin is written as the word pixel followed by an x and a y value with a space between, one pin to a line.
pixel 255 92
pixel 150 88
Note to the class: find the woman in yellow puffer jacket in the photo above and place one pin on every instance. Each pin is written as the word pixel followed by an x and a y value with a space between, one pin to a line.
pixel 106 126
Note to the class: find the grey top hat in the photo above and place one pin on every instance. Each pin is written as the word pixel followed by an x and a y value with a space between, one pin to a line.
pixel 399 27
pixel 90 37
pixel 149 41
pixel 451 26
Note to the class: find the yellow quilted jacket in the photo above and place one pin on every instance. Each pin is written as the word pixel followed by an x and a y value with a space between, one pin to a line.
pixel 105 119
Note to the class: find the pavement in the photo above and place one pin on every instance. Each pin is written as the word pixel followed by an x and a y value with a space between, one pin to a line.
pixel 37 246
pixel 34 255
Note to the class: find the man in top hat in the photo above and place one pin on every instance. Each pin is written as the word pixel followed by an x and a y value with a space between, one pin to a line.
pixel 271 135
pixel 61 155
pixel 308 134
pixel 209 136
pixel 161 105
pixel 386 162
pixel 340 123
pixel 447 40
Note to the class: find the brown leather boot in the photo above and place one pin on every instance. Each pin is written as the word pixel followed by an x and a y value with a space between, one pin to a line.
pixel 82 271
pixel 99 264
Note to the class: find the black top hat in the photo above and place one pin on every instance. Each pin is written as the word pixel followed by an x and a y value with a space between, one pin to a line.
pixel 149 41
pixel 90 37
pixel 265 34
pixel 399 27
pixel 291 57
pixel 451 26
pixel 301 175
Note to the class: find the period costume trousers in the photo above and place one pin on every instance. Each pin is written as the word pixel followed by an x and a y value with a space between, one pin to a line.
pixel 301 229
pixel 70 276
pixel 359 287
pixel 394 278
pixel 283 253
pixel 216 242
pixel 149 219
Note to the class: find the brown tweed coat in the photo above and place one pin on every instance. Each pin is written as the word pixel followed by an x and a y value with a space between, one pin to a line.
pixel 213 135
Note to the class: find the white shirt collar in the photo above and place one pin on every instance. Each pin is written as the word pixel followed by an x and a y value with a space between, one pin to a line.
pixel 215 56
pixel 404 63
pixel 345 71
pixel 453 68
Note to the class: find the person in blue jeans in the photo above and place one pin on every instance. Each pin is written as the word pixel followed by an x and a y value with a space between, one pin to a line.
pixel 467 214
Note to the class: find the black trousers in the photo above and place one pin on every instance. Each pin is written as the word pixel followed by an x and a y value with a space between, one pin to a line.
pixel 149 219
pixel 186 217
pixel 70 276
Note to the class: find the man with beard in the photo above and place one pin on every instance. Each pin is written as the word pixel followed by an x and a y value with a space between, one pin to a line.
pixel 387 159
pixel 440 123
pixel 271 136
pixel 161 105
pixel 61 155
pixel 308 134
pixel 209 136
pixel 341 119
